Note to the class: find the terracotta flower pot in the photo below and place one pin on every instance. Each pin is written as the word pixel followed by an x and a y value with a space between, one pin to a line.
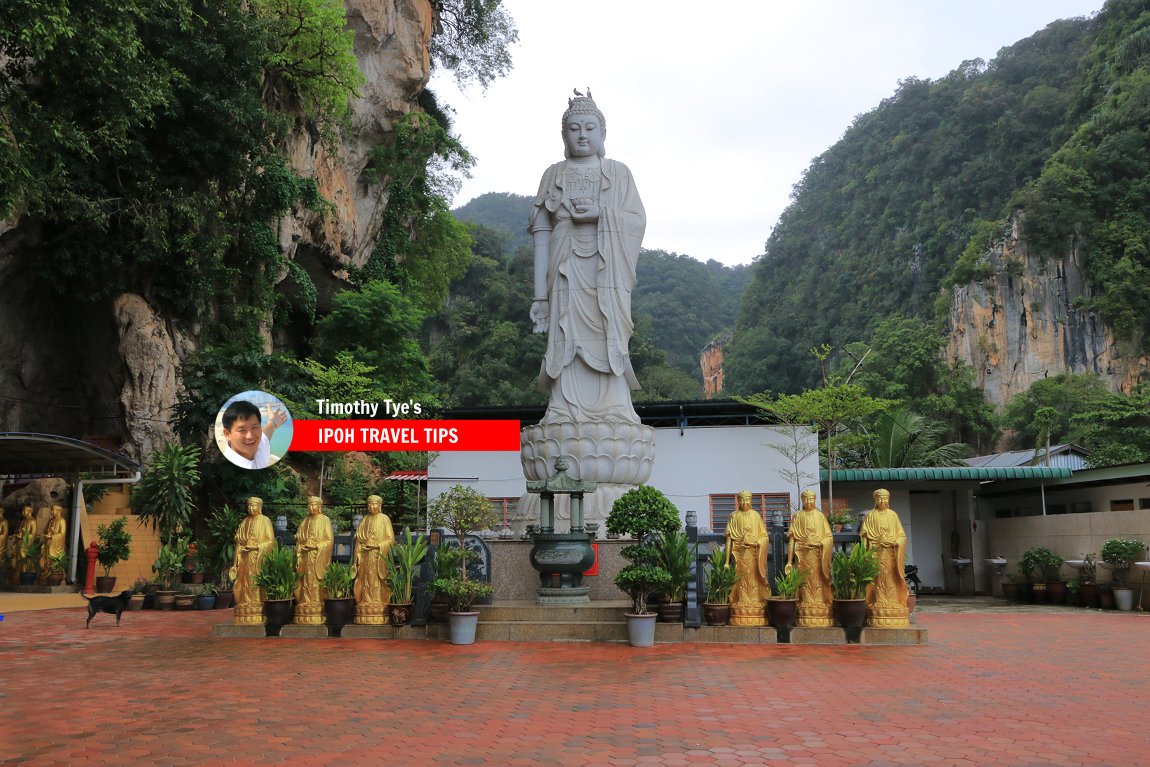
pixel 717 614
pixel 399 615
pixel 670 612
pixel 165 600
pixel 224 599
pixel 105 584
pixel 851 613
pixel 781 612
pixel 136 602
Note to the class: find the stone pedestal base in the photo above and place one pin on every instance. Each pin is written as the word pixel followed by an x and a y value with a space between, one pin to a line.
pixel 815 617
pixel 887 617
pixel 742 615
pixel 294 631
pixel 231 631
pixel 309 615
pixel 248 614
pixel 817 636
pixel 572 596
pixel 370 614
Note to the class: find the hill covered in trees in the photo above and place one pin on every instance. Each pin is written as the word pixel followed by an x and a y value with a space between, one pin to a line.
pixel 1054 129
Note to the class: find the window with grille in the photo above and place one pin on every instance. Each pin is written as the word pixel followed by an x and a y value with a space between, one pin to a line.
pixel 504 508
pixel 767 504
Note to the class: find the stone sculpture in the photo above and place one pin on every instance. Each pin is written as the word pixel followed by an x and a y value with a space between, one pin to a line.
pixel 809 547
pixel 373 539
pixel 587 224
pixel 748 544
pixel 313 545
pixel 254 539
pixel 886 597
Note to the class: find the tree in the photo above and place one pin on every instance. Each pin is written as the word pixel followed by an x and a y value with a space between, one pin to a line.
pixel 907 439
pixel 799 445
pixel 163 497
pixel 462 510
pixel 472 38
pixel 1065 394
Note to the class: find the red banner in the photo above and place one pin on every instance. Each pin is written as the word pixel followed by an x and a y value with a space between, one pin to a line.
pixel 405 435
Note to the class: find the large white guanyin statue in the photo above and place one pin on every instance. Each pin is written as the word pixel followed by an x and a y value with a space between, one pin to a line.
pixel 587 222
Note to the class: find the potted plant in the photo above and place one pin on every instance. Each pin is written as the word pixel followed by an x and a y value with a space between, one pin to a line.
pixel 163 497
pixel 642 512
pixel 462 510
pixel 57 566
pixel 225 597
pixel 1029 591
pixel 721 577
pixel 218 549
pixel 185 599
pixel 206 599
pixel 338 584
pixel 402 560
pixel 136 601
pixel 1088 581
pixel 841 521
pixel 114 546
pixel 277 579
pixel 444 565
pixel 1106 595
pixel 462 619
pixel 167 566
pixel 1120 554
pixel 676 555
pixel 783 606
pixel 1048 564
pixel 29 547
pixel 851 573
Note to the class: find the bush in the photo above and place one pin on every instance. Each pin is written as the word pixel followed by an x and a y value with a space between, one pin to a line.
pixel 114 540
pixel 640 512
pixel 852 573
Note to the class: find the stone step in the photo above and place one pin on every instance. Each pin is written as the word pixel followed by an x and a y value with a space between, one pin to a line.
pixel 535 613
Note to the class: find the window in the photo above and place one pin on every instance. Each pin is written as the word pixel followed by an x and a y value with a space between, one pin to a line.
pixel 504 507
pixel 767 504
pixel 1122 504
pixel 1056 508
pixel 1144 503
pixel 1081 507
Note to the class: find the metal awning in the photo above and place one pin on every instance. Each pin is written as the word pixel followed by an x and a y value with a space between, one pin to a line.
pixel 949 473
pixel 30 456
pixel 408 476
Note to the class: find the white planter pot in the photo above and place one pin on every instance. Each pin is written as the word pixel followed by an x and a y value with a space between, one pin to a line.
pixel 462 627
pixel 641 629
pixel 1124 599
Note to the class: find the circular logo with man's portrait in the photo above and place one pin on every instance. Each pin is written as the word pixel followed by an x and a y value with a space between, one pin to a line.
pixel 253 430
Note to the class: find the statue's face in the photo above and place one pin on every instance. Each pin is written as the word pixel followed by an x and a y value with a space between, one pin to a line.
pixel 27 512
pixel 882 500
pixel 255 506
pixel 808 501
pixel 583 136
pixel 374 505
pixel 314 506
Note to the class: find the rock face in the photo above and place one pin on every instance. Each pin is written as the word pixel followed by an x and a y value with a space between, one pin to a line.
pixel 1021 325
pixel 111 368
pixel 711 363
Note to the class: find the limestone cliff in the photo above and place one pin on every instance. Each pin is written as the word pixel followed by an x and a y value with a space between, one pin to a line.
pixel 1021 324
pixel 711 363
pixel 111 368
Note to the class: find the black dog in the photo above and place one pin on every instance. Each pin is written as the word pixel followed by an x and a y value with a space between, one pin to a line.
pixel 114 605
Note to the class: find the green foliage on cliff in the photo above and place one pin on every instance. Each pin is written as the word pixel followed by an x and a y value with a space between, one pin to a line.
pixel 912 196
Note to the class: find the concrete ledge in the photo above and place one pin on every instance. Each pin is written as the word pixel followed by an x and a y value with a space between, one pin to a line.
pixel 232 631
pixel 297 631
pixel 908 636
pixel 723 635
pixel 833 635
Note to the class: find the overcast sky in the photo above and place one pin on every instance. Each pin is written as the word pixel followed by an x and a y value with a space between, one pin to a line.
pixel 717 108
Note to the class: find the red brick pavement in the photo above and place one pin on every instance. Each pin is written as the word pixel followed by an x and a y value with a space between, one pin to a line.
pixel 990 689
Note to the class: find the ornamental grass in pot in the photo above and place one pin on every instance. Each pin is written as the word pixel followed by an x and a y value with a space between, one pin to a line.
pixel 851 573
pixel 277 579
pixel 675 554
pixel 402 561
pixel 721 578
pixel 338 585
pixel 783 606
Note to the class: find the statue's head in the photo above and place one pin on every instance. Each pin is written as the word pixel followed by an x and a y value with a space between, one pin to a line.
pixel 881 497
pixel 744 497
pixel 27 512
pixel 808 497
pixel 255 505
pixel 374 504
pixel 584 127
pixel 57 511
pixel 314 505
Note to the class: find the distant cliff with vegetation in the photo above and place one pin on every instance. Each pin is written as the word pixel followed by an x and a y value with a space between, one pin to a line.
pixel 1002 207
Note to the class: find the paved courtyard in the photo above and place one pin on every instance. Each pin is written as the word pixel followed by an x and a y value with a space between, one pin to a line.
pixel 994 687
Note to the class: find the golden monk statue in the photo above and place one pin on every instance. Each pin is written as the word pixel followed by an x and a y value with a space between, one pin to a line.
pixel 373 540
pixel 26 536
pixel 886 597
pixel 3 537
pixel 810 544
pixel 52 540
pixel 748 543
pixel 313 542
pixel 254 539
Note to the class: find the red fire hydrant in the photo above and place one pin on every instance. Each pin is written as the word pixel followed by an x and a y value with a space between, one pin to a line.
pixel 90 573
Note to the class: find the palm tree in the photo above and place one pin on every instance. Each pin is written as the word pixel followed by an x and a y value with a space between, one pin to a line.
pixel 905 439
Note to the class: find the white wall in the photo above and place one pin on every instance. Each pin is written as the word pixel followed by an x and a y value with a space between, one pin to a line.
pixel 690 465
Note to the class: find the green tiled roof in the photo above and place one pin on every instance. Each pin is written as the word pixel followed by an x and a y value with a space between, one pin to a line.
pixel 951 473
